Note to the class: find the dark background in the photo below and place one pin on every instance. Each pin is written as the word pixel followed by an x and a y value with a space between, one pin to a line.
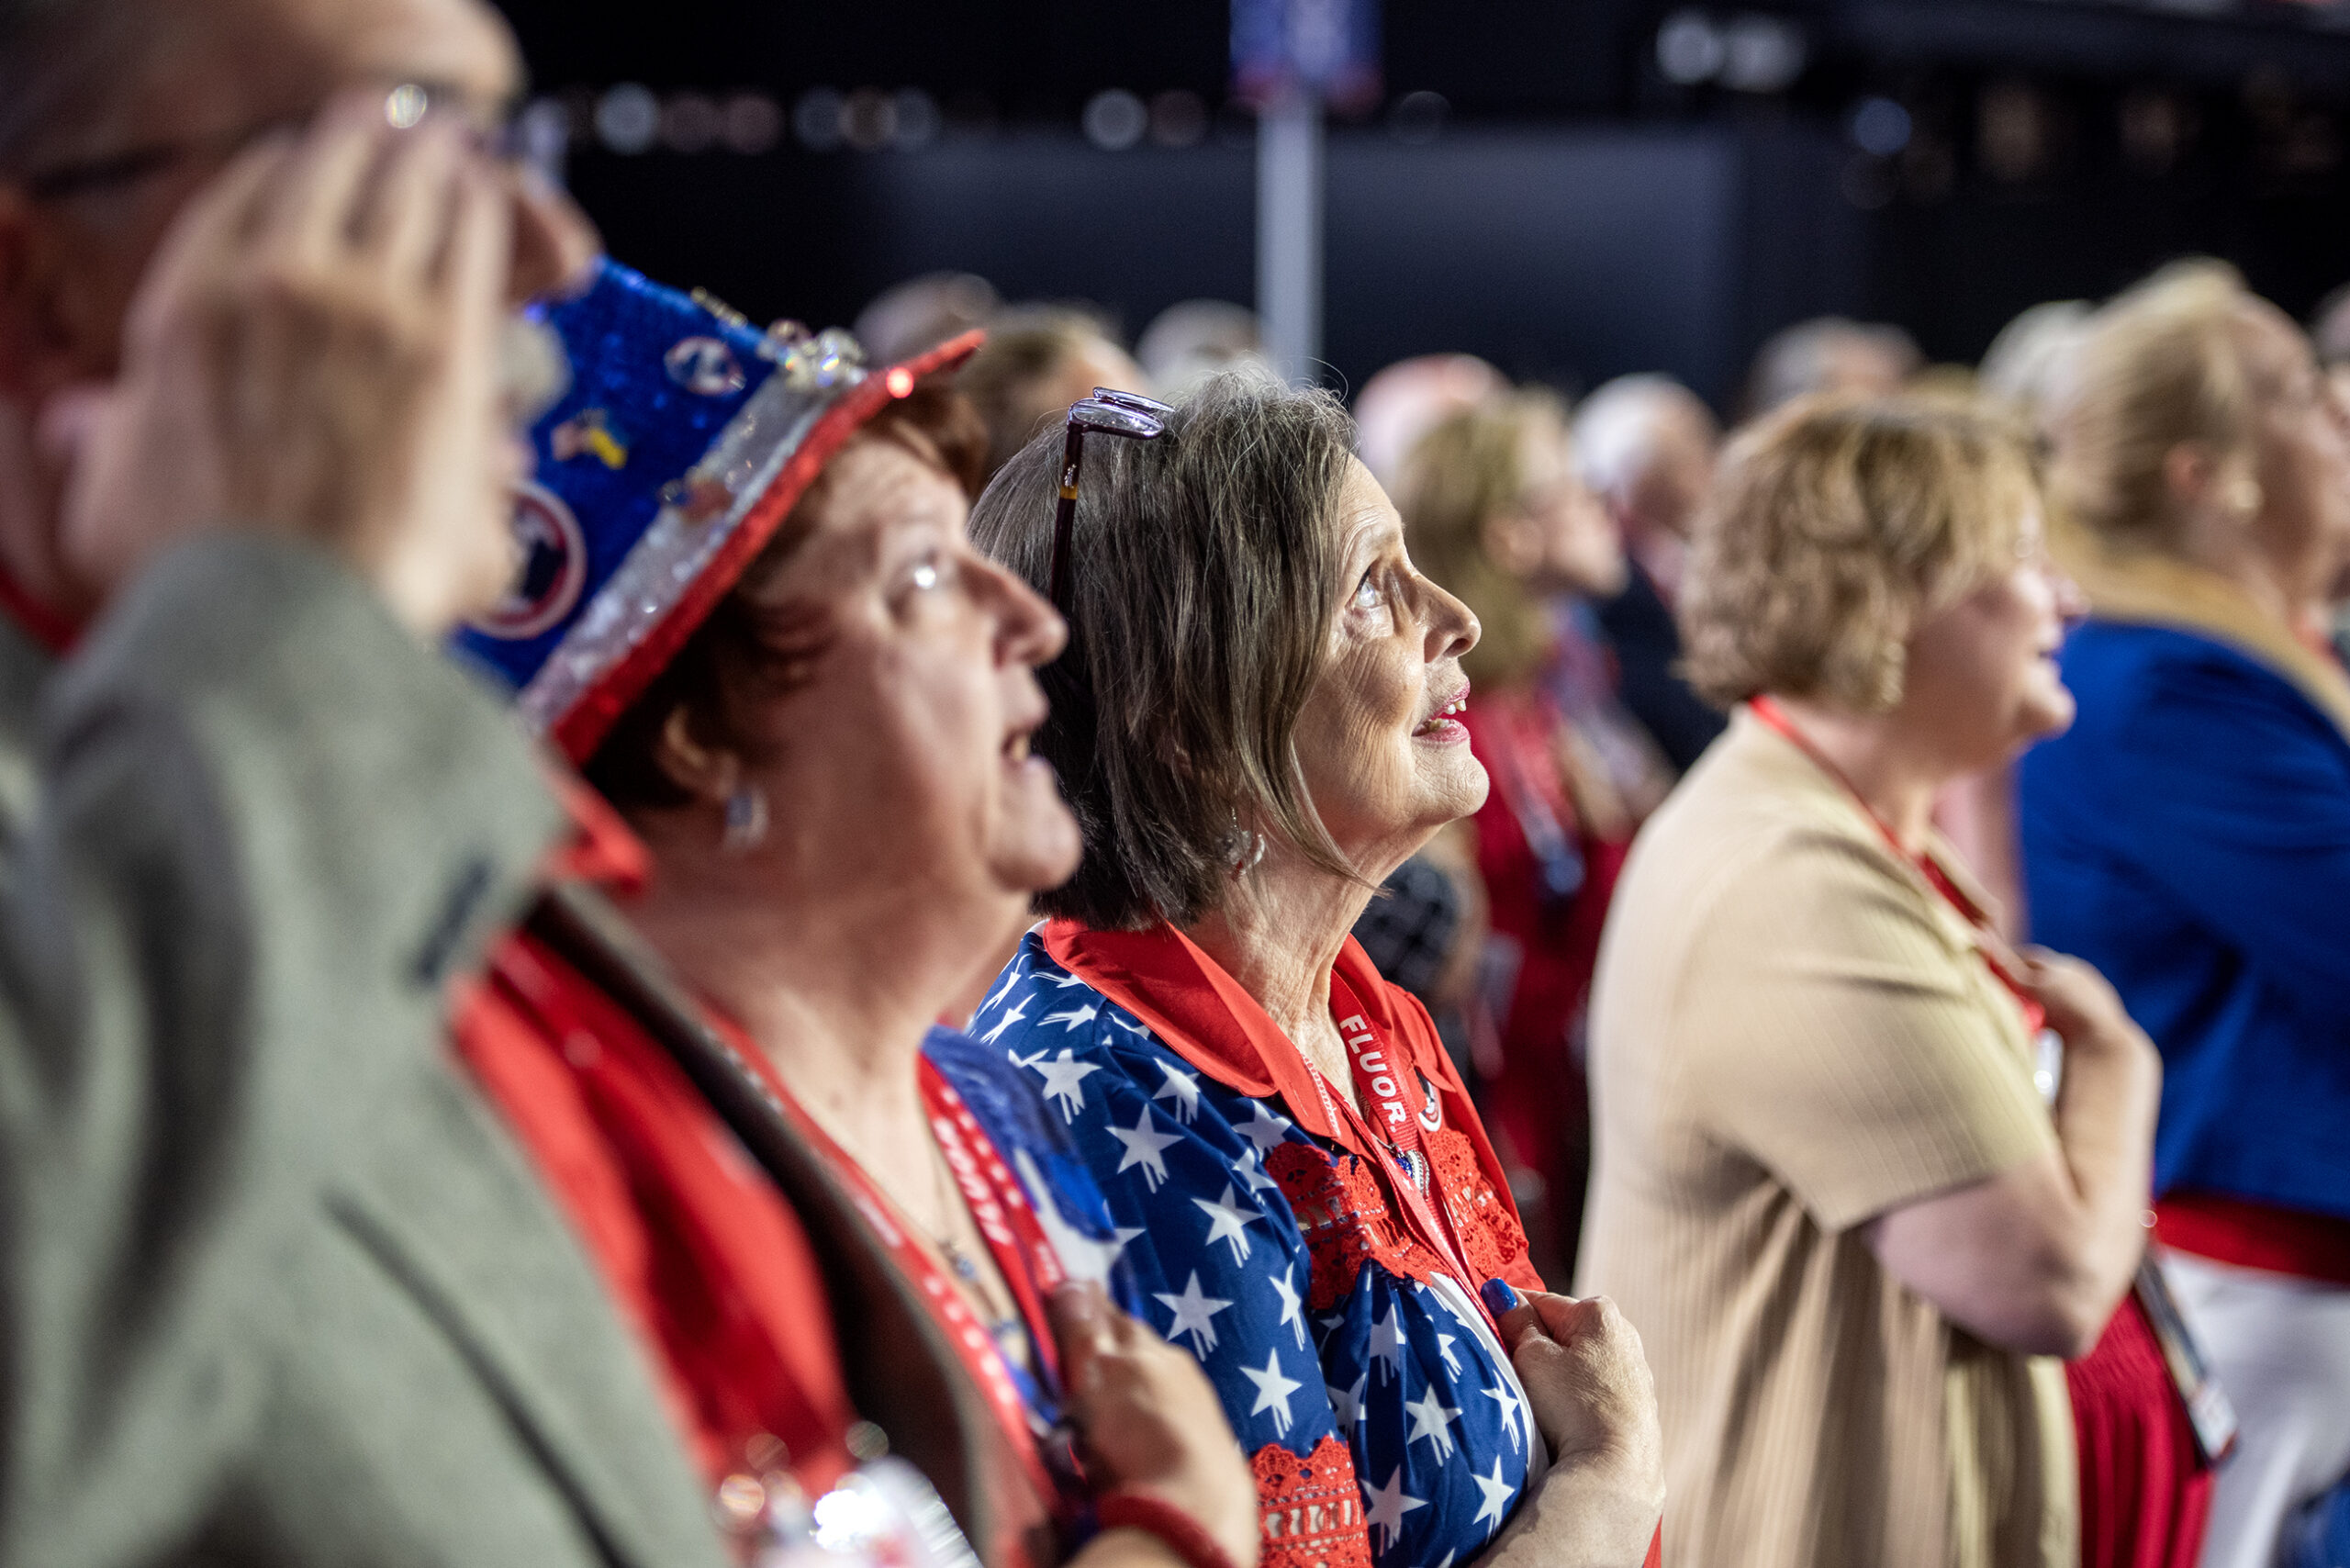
pixel 1559 204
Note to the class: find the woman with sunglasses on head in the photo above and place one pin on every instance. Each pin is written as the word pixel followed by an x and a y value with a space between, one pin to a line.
pixel 749 612
pixel 1255 722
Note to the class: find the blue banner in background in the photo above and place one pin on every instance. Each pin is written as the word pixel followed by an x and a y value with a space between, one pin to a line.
pixel 1326 48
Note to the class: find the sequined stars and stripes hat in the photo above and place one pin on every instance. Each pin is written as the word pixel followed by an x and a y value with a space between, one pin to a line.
pixel 682 440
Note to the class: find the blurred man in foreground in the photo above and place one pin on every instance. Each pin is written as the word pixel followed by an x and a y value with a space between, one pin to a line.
pixel 272 1286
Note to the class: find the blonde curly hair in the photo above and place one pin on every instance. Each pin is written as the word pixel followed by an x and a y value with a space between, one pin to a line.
pixel 1838 525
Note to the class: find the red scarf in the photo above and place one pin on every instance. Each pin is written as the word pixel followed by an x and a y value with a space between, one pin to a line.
pixel 700 1252
pixel 703 1256
pixel 1208 1018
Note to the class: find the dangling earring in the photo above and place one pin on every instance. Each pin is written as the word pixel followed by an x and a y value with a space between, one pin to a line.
pixel 746 820
pixel 2244 496
pixel 1242 848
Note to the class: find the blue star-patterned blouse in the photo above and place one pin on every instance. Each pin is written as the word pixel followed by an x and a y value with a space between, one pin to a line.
pixel 1386 1425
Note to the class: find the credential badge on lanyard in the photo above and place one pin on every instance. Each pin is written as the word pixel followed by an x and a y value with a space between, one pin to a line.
pixel 1380 1082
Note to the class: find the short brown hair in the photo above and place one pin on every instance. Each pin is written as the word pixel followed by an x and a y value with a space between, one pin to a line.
pixel 935 423
pixel 1203 595
pixel 2162 365
pixel 1839 524
pixel 1467 470
pixel 1007 379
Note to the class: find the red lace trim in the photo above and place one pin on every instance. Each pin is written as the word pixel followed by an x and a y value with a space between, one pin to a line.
pixel 1312 1508
pixel 1491 1238
pixel 1345 1220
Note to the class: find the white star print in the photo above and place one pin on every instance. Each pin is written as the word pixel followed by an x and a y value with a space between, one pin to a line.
pixel 1063 1081
pixel 1444 1347
pixel 1265 1130
pixel 1019 1011
pixel 1273 1391
pixel 1070 1020
pixel 1387 1342
pixel 1346 1404
pixel 1062 981
pixel 1498 1494
pixel 1386 1507
pixel 1129 1028
pixel 1184 1088
pixel 1513 1412
pixel 1292 1309
pixel 1012 977
pixel 1432 1419
pixel 1227 1221
pixel 1144 1147
pixel 1252 1173
pixel 1082 1258
pixel 1194 1314
pixel 1446 1299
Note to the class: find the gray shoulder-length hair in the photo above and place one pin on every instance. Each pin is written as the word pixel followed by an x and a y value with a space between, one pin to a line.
pixel 1202 589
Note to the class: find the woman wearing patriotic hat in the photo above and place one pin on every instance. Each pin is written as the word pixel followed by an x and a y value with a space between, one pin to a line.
pixel 747 610
pixel 1256 722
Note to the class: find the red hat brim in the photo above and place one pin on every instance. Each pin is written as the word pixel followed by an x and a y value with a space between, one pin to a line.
pixel 583 728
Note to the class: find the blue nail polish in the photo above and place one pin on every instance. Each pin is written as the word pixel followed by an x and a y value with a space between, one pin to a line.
pixel 1501 1296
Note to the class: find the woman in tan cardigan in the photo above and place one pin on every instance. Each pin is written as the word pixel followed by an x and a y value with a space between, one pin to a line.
pixel 1854 1235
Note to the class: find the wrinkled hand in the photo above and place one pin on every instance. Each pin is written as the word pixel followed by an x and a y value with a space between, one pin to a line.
pixel 2082 1007
pixel 314 353
pixel 1588 1382
pixel 1148 1420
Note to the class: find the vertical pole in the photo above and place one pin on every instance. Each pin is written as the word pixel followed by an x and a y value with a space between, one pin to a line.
pixel 1289 232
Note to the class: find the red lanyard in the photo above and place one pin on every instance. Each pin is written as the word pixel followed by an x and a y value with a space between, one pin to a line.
pixel 1394 1099
pixel 1996 956
pixel 1015 1238
pixel 973 1344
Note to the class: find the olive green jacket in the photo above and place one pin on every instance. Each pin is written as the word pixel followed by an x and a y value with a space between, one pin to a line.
pixel 275 1285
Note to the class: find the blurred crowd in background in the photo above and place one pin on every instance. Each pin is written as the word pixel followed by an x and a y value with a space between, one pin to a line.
pixel 628 938
pixel 1566 525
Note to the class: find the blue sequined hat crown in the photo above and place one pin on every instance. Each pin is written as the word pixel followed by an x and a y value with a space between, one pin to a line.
pixel 682 440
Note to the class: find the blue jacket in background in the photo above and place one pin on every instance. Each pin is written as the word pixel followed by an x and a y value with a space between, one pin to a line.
pixel 2190 837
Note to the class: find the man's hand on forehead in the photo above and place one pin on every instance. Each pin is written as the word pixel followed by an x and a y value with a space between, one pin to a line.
pixel 314 355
